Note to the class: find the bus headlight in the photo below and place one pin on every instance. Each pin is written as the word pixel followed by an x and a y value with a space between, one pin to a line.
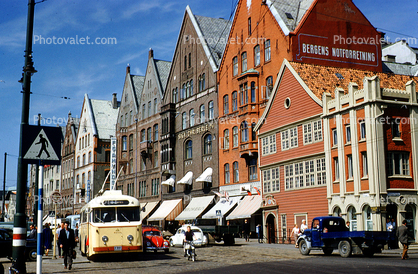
pixel 130 238
pixel 105 239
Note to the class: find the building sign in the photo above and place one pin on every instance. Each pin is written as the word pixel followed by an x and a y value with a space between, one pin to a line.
pixel 352 50
pixel 197 130
pixel 112 163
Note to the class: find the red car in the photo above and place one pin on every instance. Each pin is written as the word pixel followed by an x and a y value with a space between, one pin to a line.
pixel 153 239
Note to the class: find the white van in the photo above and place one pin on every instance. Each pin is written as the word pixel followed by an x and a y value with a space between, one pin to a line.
pixel 73 220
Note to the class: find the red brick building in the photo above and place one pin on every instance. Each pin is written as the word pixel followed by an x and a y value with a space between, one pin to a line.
pixel 263 34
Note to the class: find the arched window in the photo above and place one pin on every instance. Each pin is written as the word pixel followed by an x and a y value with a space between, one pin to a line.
pixel 189 149
pixel 192 121
pixel 269 86
pixel 184 120
pixel 267 51
pixel 124 143
pixel 185 62
pixel 202 114
pixel 183 92
pixel 352 218
pixel 227 175
pixel 143 136
pixel 235 66
pixel 175 95
pixel 367 218
pixel 207 146
pixel 211 114
pixel 337 212
pixel 253 133
pixel 203 81
pixel 191 87
pixel 226 104
pixel 257 55
pixel 234 101
pixel 226 139
pixel 236 172
pixel 244 132
pixel 234 136
pixel 131 142
pixel 244 62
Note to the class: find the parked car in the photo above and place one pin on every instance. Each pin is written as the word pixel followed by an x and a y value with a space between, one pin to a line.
pixel 177 239
pixel 153 239
pixel 6 245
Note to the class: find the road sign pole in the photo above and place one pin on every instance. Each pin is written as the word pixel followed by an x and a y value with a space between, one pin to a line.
pixel 40 211
pixel 19 229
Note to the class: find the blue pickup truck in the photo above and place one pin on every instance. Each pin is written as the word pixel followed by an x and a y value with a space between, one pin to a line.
pixel 329 233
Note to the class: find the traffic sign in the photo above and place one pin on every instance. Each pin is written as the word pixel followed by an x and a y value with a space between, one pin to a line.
pixel 56 197
pixel 218 213
pixel 41 144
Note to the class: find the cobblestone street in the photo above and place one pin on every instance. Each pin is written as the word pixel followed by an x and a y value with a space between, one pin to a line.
pixel 218 258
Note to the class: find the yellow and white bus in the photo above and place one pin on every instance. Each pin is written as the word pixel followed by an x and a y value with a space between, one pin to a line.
pixel 110 224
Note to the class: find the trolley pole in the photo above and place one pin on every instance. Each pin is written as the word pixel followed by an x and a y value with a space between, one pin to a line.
pixel 3 214
pixel 19 229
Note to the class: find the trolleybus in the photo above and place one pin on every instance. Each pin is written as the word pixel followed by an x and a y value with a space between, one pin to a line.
pixel 110 224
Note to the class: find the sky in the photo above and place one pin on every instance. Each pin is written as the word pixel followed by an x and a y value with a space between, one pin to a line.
pixel 124 31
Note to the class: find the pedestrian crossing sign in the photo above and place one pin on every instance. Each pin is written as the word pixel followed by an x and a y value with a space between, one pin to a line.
pixel 42 144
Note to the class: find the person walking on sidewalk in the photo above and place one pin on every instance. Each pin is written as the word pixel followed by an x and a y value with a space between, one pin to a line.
pixel 67 243
pixel 402 234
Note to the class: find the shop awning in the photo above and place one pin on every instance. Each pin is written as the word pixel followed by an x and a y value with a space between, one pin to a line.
pixel 170 181
pixel 195 208
pixel 248 206
pixel 148 207
pixel 168 210
pixel 206 176
pixel 224 206
pixel 187 179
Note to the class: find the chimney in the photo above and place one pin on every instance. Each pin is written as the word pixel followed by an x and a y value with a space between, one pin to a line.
pixel 114 101
pixel 150 53
pixel 128 69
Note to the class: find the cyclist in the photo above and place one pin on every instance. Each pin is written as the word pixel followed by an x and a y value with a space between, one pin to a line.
pixel 188 237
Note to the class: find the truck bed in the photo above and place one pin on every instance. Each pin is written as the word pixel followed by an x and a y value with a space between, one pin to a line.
pixel 366 235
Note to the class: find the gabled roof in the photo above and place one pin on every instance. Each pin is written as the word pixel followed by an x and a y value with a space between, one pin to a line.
pixel 216 32
pixel 105 118
pixel 163 70
pixel 137 83
pixel 397 68
pixel 289 13
pixel 317 80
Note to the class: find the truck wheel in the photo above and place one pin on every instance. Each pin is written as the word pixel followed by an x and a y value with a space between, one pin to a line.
pixel 344 247
pixel 303 247
pixel 327 251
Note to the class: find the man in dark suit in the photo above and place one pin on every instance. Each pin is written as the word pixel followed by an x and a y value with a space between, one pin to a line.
pixel 67 243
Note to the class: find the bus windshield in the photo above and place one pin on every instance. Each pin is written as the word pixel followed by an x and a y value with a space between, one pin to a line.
pixel 104 215
pixel 128 214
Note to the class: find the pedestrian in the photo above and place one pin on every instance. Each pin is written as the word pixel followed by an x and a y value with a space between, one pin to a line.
pixel 47 238
pixel 295 233
pixel 32 234
pixel 67 244
pixel 347 225
pixel 303 226
pixel 76 233
pixel 259 230
pixel 57 235
pixel 246 230
pixel 402 234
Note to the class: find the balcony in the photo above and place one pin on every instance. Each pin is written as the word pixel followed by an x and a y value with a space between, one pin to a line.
pixel 168 169
pixel 145 148
pixel 248 149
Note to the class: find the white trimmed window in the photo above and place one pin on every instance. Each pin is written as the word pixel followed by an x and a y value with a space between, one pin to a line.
pixel 334 137
pixel 347 134
pixel 271 182
pixel 312 132
pixel 364 160
pixel 350 166
pixel 321 174
pixel 289 138
pixel 362 130
pixel 268 144
pixel 304 174
pixel 398 163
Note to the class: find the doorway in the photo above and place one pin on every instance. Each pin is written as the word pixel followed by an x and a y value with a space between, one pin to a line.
pixel 410 221
pixel 271 229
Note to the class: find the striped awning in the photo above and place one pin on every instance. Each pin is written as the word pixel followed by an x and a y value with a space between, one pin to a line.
pixel 146 208
pixel 168 211
pixel 195 208
pixel 248 206
pixel 224 206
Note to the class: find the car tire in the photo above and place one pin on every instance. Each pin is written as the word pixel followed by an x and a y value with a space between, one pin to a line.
pixel 303 247
pixel 344 247
pixel 32 254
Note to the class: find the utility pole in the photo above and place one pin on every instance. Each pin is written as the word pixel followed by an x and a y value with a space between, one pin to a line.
pixel 35 211
pixel 3 208
pixel 19 229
